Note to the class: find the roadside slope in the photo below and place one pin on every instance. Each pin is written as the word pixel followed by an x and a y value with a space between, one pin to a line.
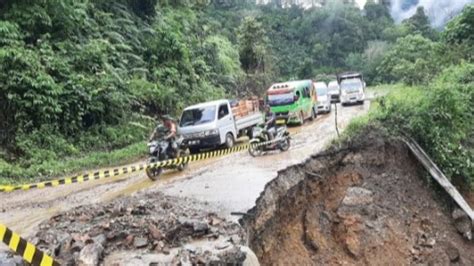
pixel 368 202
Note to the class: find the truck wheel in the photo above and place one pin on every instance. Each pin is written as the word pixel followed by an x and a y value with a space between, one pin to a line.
pixel 229 141
pixel 313 114
pixel 301 119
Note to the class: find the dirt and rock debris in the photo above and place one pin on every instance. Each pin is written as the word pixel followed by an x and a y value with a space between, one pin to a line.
pixel 363 202
pixel 153 223
pixel 366 202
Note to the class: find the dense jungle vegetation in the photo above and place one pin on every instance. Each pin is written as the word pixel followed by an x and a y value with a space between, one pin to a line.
pixel 83 81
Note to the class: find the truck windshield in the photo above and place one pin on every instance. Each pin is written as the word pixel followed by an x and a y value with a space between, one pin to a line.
pixel 198 116
pixel 281 99
pixel 351 85
pixel 333 86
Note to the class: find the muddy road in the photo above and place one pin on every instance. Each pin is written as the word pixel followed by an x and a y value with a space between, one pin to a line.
pixel 227 184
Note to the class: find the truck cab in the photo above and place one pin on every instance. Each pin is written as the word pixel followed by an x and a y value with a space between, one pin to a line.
pixel 334 91
pixel 293 101
pixel 352 88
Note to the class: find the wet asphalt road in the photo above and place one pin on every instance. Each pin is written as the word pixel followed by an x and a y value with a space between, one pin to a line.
pixel 227 184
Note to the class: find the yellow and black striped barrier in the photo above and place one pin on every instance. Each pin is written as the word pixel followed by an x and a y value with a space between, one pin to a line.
pixel 25 249
pixel 118 171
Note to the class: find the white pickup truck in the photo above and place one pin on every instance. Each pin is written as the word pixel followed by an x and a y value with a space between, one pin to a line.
pixel 216 123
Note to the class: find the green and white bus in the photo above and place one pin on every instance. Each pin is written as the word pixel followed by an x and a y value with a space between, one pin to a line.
pixel 292 102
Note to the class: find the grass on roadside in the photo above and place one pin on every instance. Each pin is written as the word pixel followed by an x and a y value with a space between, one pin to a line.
pixel 72 165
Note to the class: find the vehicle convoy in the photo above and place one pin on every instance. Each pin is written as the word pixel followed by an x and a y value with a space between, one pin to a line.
pixel 292 101
pixel 324 101
pixel 334 91
pixel 260 136
pixel 217 123
pixel 352 88
pixel 160 150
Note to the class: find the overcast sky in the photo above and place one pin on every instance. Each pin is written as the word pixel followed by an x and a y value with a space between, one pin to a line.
pixel 439 11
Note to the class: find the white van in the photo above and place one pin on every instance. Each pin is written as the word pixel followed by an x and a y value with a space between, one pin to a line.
pixel 324 100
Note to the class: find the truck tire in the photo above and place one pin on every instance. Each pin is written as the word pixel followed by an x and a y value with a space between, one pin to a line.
pixel 301 119
pixel 229 141
pixel 313 114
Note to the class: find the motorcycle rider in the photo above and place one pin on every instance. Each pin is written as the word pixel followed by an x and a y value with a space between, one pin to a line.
pixel 170 134
pixel 270 122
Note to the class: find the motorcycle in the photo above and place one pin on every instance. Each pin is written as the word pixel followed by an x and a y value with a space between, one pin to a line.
pixel 160 151
pixel 260 136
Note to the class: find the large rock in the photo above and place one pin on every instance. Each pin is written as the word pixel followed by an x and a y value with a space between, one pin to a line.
pixel 100 239
pixel 452 252
pixel 140 242
pixel 91 254
pixel 8 259
pixel 463 223
pixel 356 196
pixel 155 233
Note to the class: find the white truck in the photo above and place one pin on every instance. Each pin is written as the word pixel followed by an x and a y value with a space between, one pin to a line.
pixel 217 123
pixel 334 91
pixel 352 88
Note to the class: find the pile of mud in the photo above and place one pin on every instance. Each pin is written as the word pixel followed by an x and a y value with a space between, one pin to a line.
pixel 164 230
pixel 368 202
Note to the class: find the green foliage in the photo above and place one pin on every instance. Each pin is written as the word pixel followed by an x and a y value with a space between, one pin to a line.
pixel 16 174
pixel 253 45
pixel 378 19
pixel 368 61
pixel 74 74
pixel 420 24
pixel 412 60
pixel 461 29
pixel 440 117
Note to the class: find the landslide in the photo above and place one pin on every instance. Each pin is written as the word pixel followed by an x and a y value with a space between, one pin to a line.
pixel 149 227
pixel 367 201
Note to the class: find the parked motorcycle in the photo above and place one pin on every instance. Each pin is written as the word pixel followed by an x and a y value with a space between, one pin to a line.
pixel 160 151
pixel 260 136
